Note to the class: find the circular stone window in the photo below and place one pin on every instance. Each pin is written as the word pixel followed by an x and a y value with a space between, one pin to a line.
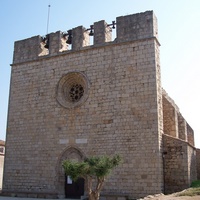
pixel 72 89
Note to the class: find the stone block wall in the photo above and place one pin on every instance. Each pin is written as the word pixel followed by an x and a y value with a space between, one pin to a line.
pixel 179 164
pixel 27 50
pixel 182 127
pixel 190 135
pixel 169 117
pixel 122 112
pixel 1 170
pixel 2 152
pixel 192 164
pixel 198 163
pixel 103 33
pixel 137 26
pixel 174 123
pixel 179 155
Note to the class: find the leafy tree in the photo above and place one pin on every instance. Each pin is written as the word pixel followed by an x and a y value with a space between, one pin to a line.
pixel 93 170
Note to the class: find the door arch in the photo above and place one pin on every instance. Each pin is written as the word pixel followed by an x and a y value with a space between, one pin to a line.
pixel 63 188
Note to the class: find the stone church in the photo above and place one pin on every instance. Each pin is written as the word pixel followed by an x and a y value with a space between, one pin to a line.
pixel 71 99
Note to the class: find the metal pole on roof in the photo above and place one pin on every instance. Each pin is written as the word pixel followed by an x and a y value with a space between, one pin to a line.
pixel 48 18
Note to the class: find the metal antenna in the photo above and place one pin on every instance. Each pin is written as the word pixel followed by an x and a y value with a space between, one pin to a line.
pixel 48 18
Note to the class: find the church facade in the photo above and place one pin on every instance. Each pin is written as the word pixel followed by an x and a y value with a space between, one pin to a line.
pixel 70 99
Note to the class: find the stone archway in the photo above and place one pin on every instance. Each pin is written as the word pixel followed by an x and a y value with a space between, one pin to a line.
pixel 71 153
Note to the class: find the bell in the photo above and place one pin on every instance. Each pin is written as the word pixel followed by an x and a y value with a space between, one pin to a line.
pixel 69 39
pixel 46 46
pixel 91 33
pixel 113 24
pixel 91 30
pixel 46 40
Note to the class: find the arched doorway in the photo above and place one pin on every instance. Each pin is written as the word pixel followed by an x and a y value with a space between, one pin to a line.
pixel 65 186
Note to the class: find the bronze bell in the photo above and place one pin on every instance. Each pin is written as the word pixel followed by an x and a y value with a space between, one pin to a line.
pixel 69 39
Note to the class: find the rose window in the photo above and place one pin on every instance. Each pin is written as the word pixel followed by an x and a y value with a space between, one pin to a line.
pixel 72 89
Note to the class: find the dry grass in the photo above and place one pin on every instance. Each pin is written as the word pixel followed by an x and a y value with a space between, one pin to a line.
pixel 189 192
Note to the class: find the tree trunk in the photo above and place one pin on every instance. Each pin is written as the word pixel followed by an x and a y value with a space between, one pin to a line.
pixel 94 195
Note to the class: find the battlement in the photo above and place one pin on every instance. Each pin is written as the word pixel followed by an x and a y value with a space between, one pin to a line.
pixel 128 28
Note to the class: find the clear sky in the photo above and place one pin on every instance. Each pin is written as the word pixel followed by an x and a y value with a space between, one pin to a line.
pixel 179 35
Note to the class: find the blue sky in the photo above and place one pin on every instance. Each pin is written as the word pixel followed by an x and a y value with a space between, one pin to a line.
pixel 179 35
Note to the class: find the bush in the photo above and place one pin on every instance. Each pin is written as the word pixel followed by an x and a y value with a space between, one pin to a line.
pixel 195 184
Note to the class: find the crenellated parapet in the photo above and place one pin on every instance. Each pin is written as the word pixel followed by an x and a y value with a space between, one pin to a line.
pixel 26 50
pixel 128 28
pixel 137 26
pixel 103 32
pixel 80 38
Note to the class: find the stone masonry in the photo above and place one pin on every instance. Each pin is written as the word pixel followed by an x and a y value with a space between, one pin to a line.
pixel 100 99
pixel 198 164
pixel 2 151
pixel 179 154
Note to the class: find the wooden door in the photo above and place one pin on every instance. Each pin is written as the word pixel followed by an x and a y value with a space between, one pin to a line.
pixel 74 189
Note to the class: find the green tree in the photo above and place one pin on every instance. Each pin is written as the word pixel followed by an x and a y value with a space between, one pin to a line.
pixel 93 170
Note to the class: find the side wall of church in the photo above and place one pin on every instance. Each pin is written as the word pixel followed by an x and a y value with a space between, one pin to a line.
pixel 198 163
pixel 179 155
pixel 1 169
pixel 2 151
pixel 174 123
pixel 121 115
pixel 179 164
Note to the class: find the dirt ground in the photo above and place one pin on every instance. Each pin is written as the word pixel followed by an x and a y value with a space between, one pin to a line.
pixel 155 197
pixel 171 197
